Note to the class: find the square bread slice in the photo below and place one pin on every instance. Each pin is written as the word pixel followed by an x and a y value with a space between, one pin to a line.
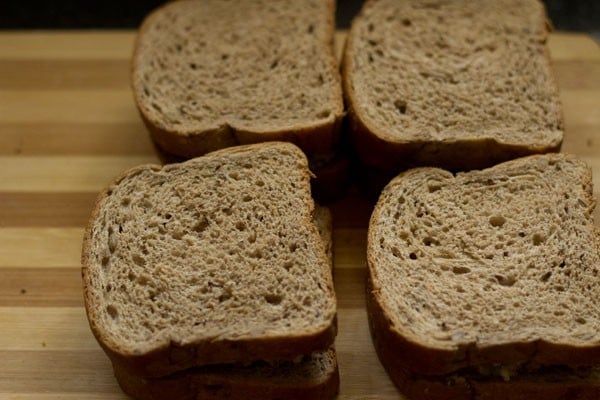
pixel 487 269
pixel 209 74
pixel 211 261
pixel 453 84
pixel 316 377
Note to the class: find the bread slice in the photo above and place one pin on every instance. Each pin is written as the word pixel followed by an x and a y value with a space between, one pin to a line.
pixel 314 377
pixel 212 261
pixel 453 84
pixel 486 269
pixel 209 74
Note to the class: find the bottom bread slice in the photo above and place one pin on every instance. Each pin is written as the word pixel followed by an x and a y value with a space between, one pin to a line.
pixel 316 376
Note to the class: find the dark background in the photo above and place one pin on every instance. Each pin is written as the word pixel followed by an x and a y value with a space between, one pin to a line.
pixel 569 15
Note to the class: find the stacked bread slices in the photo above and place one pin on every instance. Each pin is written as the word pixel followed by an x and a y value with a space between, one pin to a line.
pixel 210 277
pixel 485 284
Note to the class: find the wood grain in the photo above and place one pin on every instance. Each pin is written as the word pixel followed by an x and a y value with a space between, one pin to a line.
pixel 68 125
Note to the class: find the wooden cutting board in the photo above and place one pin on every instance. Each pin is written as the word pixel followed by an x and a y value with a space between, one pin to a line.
pixel 68 125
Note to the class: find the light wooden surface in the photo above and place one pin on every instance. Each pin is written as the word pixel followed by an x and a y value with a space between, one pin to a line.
pixel 68 125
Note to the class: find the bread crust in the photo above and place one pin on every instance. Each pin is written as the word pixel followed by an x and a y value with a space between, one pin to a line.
pixel 399 352
pixel 311 138
pixel 222 384
pixel 376 149
pixel 171 357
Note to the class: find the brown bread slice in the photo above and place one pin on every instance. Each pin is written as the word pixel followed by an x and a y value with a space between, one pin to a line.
pixel 209 74
pixel 453 84
pixel 211 261
pixel 486 268
pixel 315 377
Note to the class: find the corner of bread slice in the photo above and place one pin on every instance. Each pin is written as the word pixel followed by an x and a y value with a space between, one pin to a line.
pixel 485 268
pixel 211 261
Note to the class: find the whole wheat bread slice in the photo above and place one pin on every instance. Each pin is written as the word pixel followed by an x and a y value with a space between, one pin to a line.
pixel 314 377
pixel 209 74
pixel 452 84
pixel 486 268
pixel 211 261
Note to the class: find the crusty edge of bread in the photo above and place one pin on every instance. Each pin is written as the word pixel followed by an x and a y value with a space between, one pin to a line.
pixel 170 357
pixel 455 155
pixel 398 351
pixel 221 385
pixel 315 138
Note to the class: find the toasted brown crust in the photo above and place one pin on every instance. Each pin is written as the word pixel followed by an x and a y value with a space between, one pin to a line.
pixel 170 357
pixel 221 383
pixel 456 155
pixel 400 353
pixel 315 138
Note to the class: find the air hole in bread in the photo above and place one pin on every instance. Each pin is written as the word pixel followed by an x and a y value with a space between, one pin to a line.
pixel 459 270
pixel 412 256
pixel 293 247
pixel 201 225
pixel 538 239
pixel 311 28
pixel 156 107
pixel 224 296
pixel 433 187
pixel 112 311
pixel 138 260
pixel 288 265
pixel 105 261
pixel 400 106
pixel 505 280
pixel 108 288
pixel 131 276
pixel 240 225
pixel 324 114
pixel 396 252
pixel 401 200
pixel 406 22
pixel 497 221
pixel 126 201
pixel 247 198
pixel 428 241
pixel 370 58
pixel 274 64
pixel 580 320
pixel 193 66
pixel 273 299
pixel 143 280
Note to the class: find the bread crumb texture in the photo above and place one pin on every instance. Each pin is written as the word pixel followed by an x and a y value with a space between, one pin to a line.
pixel 502 255
pixel 261 65
pixel 220 247
pixel 454 70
